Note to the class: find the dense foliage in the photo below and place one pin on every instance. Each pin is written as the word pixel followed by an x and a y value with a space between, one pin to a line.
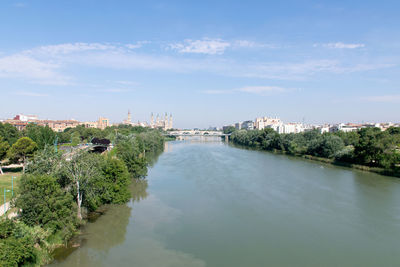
pixel 368 146
pixel 17 243
pixel 42 202
pixel 60 187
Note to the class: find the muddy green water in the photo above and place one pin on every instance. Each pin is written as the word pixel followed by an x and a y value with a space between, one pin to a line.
pixel 211 204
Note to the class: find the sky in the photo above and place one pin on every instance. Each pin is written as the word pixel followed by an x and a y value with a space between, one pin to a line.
pixel 208 63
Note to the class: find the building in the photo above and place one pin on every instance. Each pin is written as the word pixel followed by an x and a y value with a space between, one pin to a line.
pixel 21 117
pixel 90 124
pixel 266 122
pixel 128 120
pixel 58 125
pixel 103 123
pixel 163 123
pixel 247 125
pixel 349 127
pixel 20 125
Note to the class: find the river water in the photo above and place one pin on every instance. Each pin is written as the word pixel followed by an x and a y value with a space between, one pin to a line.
pixel 206 203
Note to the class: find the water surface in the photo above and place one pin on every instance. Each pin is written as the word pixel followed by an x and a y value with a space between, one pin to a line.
pixel 211 204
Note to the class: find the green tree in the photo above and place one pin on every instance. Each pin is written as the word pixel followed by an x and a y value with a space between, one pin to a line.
pixel 4 146
pixel 83 171
pixel 229 130
pixel 75 138
pixel 9 133
pixel 17 252
pixel 116 181
pixel 41 135
pixel 46 161
pixel 22 150
pixel 131 151
pixel 42 202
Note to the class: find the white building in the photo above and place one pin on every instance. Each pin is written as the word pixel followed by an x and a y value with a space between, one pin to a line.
pixel 264 122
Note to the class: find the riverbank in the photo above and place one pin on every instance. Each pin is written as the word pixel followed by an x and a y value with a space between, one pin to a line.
pixel 368 149
pixel 333 162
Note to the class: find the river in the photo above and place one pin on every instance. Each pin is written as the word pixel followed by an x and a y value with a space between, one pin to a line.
pixel 206 203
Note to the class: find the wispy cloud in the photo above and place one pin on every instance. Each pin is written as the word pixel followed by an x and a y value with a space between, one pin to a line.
pixel 24 93
pixel 69 48
pixel 259 90
pixel 22 66
pixel 204 46
pixel 252 44
pixel 117 90
pixel 382 99
pixel 127 82
pixel 137 44
pixel 340 45
pixel 263 89
pixel 49 64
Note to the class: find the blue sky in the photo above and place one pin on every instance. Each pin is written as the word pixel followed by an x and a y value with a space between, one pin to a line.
pixel 206 62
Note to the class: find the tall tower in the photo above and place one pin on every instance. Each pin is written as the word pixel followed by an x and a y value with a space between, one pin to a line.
pixel 157 121
pixel 129 119
pixel 170 121
pixel 152 120
pixel 166 121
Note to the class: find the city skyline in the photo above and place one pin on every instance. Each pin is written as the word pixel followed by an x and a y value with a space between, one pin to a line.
pixel 208 63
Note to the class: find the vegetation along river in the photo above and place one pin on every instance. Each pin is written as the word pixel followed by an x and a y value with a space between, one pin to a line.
pixel 206 203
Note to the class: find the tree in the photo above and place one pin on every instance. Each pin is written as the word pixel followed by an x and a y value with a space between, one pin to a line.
pixel 82 170
pixel 46 161
pixel 41 135
pixel 4 146
pixel 229 130
pixel 22 150
pixel 9 133
pixel 116 181
pixel 131 151
pixel 43 203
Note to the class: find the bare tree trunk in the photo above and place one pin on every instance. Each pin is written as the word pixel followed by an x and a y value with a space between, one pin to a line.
pixel 23 165
pixel 78 201
pixel 1 170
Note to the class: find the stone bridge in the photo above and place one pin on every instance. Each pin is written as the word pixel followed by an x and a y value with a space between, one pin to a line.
pixel 196 133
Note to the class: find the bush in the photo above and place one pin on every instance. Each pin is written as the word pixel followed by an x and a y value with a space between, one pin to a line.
pixel 43 203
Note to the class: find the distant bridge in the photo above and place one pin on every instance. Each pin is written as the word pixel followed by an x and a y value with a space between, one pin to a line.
pixel 196 133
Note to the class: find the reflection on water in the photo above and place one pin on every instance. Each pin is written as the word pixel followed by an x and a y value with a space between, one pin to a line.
pixel 107 231
pixel 200 139
pixel 138 189
pixel 206 203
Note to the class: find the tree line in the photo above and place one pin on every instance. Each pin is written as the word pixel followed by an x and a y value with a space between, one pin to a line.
pixel 368 146
pixel 57 191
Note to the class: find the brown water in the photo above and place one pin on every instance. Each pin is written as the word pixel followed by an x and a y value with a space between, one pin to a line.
pixel 210 204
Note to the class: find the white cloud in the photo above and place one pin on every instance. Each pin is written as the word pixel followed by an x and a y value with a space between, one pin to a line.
pixel 137 44
pixel 116 90
pixel 262 89
pixel 340 45
pixel 24 93
pixel 22 66
pixel 383 99
pixel 48 64
pixel 204 46
pixel 127 82
pixel 69 48
pixel 251 44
